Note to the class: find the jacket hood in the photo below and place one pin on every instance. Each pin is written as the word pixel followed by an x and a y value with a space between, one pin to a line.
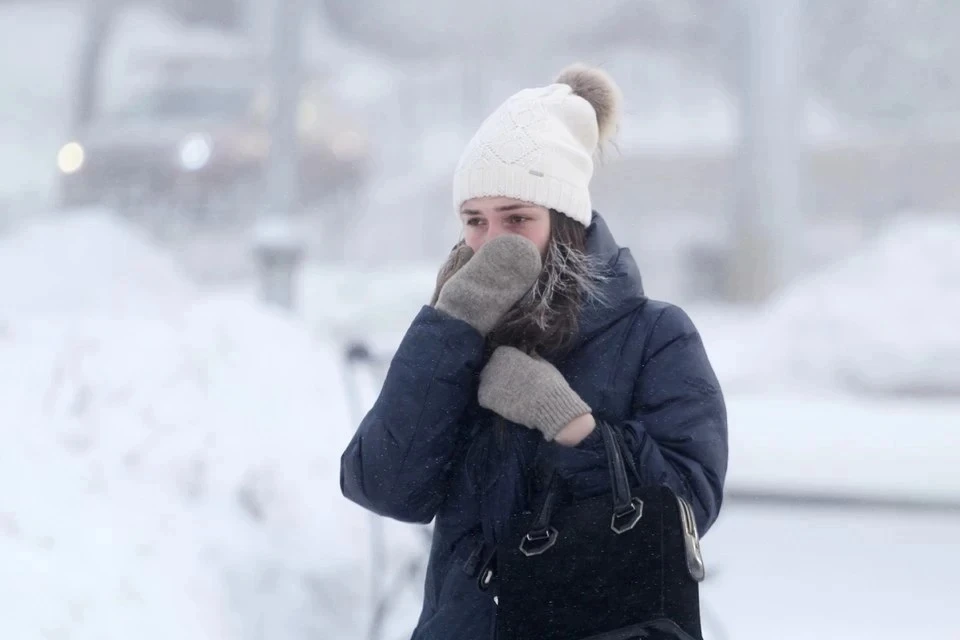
pixel 622 290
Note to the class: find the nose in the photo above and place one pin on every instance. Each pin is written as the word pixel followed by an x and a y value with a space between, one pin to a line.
pixel 495 230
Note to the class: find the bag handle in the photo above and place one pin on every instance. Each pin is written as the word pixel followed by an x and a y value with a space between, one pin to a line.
pixel 627 510
pixel 619 482
pixel 631 463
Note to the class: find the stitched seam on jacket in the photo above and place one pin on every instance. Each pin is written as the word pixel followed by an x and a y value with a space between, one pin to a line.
pixel 646 344
pixel 634 321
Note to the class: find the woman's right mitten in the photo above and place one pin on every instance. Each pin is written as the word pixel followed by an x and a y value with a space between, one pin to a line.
pixel 491 282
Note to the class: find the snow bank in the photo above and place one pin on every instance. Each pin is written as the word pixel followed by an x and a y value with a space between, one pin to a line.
pixel 170 460
pixel 80 565
pixel 356 302
pixel 87 261
pixel 826 573
pixel 831 444
pixel 884 320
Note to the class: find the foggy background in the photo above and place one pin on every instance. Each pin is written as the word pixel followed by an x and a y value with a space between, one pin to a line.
pixel 218 217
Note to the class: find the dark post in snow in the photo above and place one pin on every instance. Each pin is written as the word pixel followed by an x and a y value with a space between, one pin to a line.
pixel 767 217
pixel 98 18
pixel 278 246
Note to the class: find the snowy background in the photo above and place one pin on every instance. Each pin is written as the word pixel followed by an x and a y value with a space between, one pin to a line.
pixel 169 443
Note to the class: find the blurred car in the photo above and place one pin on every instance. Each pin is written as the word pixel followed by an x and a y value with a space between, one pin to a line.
pixel 204 146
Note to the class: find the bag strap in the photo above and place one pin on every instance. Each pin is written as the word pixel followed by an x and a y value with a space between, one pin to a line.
pixel 631 463
pixel 627 510
pixel 619 482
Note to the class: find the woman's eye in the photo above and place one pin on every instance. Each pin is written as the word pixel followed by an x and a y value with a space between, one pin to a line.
pixel 473 222
pixel 518 219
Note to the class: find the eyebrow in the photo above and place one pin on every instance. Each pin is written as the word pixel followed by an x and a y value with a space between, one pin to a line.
pixel 506 207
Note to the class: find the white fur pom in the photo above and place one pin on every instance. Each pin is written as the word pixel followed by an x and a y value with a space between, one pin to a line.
pixel 599 89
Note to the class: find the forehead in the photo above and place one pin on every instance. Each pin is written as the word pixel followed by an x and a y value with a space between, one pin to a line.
pixel 496 204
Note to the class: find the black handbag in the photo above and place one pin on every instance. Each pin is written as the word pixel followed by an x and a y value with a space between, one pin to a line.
pixel 609 567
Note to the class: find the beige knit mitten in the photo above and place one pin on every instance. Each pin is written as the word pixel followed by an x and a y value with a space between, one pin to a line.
pixel 529 391
pixel 491 282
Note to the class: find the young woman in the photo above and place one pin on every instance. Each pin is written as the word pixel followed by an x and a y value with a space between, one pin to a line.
pixel 538 329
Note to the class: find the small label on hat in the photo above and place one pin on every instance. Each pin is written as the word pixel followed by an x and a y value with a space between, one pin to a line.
pixel 534 172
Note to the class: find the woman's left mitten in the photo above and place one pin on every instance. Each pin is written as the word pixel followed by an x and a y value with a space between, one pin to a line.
pixel 528 391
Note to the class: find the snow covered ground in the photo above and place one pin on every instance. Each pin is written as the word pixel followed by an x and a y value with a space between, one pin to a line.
pixel 170 460
pixel 796 573
pixel 881 320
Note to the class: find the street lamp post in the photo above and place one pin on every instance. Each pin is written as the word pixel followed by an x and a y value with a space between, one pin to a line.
pixel 278 246
pixel 767 219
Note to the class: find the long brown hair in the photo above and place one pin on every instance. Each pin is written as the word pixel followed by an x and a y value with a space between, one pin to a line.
pixel 547 318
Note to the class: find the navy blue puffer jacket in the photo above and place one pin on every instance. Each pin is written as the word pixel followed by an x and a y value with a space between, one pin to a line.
pixel 422 452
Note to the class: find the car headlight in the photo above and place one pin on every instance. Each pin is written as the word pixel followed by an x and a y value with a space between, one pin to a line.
pixel 194 151
pixel 70 157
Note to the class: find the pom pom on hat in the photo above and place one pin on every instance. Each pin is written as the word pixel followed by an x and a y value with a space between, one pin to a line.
pixel 598 88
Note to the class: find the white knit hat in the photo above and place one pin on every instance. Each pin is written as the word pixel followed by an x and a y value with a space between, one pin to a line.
pixel 539 145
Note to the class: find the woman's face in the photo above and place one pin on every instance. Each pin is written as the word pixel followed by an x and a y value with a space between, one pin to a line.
pixel 486 218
